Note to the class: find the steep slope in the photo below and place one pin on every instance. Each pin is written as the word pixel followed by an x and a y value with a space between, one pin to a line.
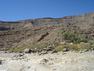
pixel 44 32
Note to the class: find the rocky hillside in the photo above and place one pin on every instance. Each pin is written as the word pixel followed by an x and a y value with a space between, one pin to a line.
pixel 48 32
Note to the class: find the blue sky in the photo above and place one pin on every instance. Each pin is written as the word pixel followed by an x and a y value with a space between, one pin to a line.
pixel 28 9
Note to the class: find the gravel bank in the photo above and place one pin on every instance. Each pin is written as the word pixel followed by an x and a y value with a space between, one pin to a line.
pixel 69 61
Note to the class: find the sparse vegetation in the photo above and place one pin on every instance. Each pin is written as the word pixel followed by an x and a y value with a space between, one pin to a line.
pixel 74 47
pixel 74 37
pixel 16 49
pixel 76 32
pixel 39 45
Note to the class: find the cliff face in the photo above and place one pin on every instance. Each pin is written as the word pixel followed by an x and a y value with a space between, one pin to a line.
pixel 34 32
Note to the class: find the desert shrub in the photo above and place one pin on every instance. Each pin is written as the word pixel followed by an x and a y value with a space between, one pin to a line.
pixel 16 49
pixel 61 47
pixel 39 45
pixel 74 37
pixel 74 47
pixel 84 46
pixel 92 44
pixel 67 46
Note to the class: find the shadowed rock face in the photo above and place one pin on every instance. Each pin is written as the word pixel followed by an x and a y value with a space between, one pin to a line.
pixel 4 28
pixel 26 33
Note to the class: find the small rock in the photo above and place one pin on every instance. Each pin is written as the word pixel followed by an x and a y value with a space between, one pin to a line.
pixel 43 52
pixel 20 55
pixel 0 62
pixel 54 51
pixel 27 50
pixel 65 49
pixel 44 61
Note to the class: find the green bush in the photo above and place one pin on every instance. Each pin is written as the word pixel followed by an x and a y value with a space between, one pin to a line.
pixel 74 37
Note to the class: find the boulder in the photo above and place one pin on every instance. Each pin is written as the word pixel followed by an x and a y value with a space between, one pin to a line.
pixel 27 50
